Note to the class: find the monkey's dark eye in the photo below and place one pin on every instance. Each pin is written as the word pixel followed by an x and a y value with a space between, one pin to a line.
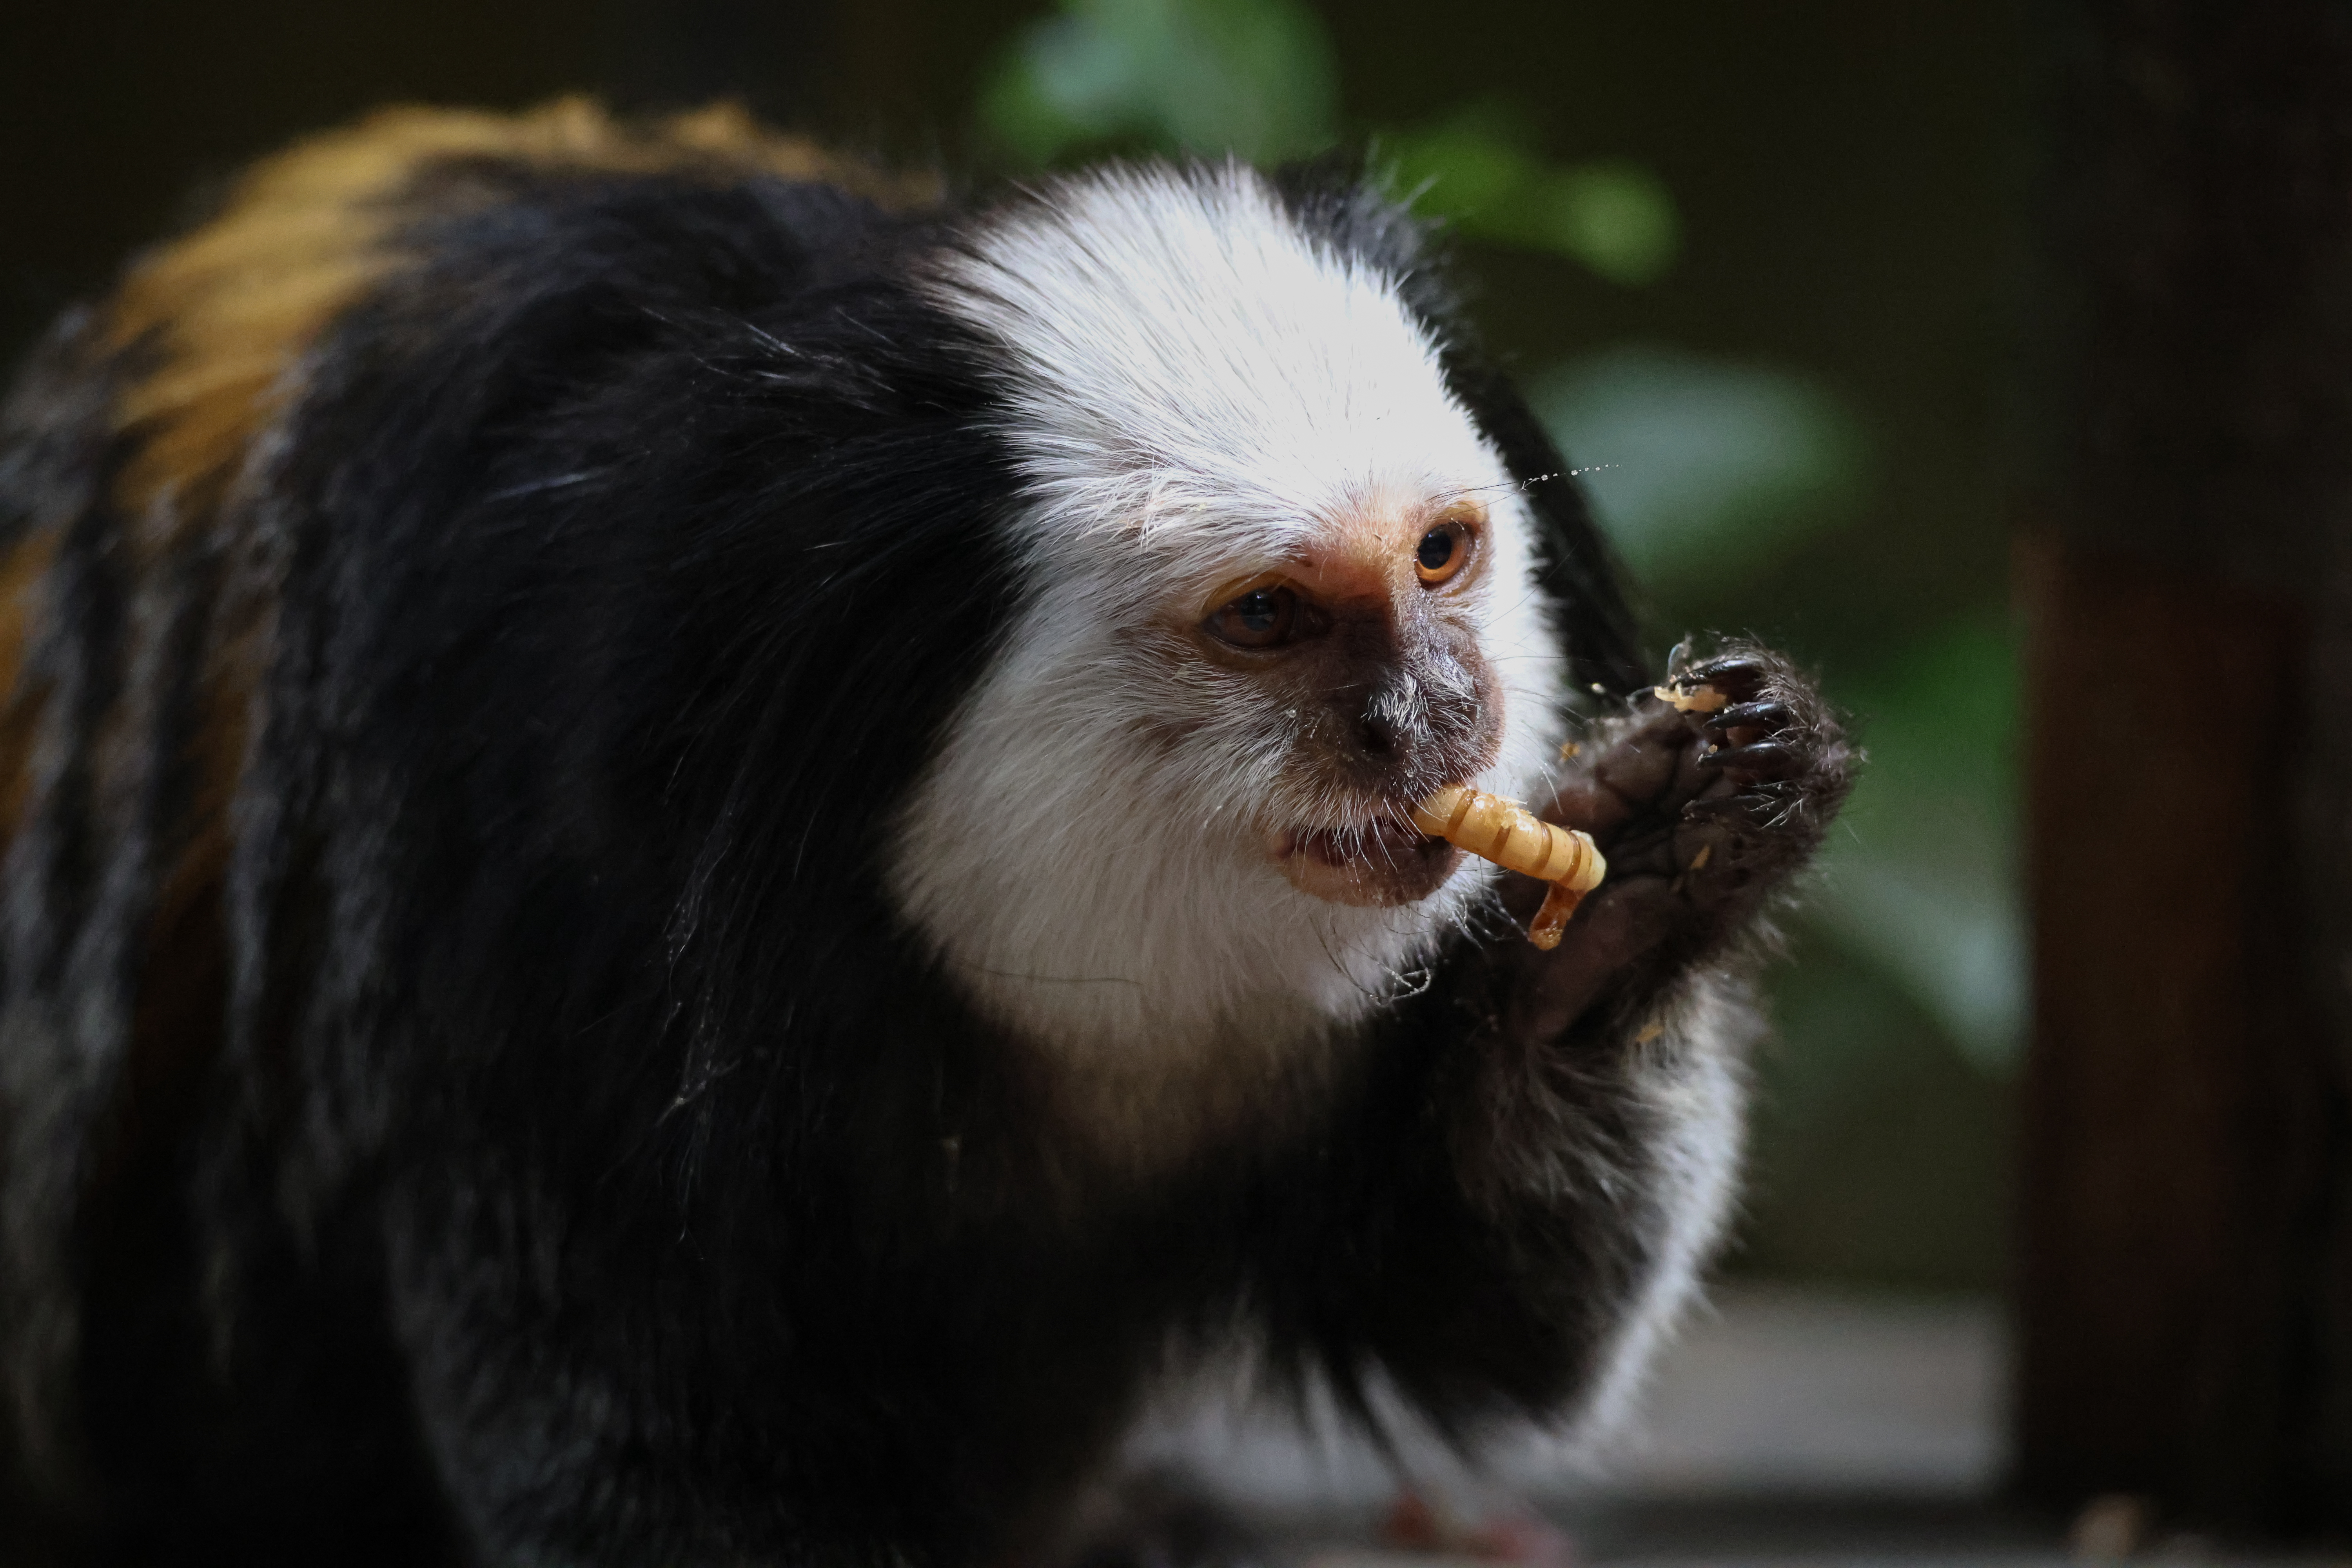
pixel 1442 551
pixel 1263 618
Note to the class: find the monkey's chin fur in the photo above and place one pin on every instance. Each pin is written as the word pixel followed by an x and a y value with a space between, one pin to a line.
pixel 1381 869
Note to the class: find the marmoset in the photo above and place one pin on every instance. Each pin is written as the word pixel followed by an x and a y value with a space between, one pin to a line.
pixel 703 848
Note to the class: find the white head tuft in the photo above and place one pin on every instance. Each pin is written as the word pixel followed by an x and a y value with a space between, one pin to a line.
pixel 1197 394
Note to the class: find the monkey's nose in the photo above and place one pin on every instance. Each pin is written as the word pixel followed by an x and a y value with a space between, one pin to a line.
pixel 1380 736
pixel 1393 726
pixel 1406 734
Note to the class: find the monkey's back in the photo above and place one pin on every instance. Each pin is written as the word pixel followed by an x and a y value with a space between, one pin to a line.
pixel 168 918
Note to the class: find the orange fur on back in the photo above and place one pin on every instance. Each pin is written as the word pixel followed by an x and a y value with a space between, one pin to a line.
pixel 207 332
pixel 206 336
pixel 212 326
pixel 226 311
pixel 20 576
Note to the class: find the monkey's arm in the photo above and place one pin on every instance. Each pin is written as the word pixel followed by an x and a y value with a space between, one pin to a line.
pixel 1565 1125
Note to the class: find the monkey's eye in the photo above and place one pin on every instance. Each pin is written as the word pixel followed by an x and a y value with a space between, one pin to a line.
pixel 1442 551
pixel 1263 618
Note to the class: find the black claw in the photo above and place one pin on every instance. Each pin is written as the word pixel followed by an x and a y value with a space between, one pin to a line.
pixel 1766 759
pixel 1738 676
pixel 1767 715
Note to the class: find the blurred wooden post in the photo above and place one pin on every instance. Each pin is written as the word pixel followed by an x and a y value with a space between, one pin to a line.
pixel 2185 1288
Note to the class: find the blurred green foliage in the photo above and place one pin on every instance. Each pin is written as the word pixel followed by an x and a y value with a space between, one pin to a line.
pixel 1478 171
pixel 1723 481
pixel 1705 471
pixel 1257 79
pixel 1878 1154
pixel 1923 881
pixel 1253 77
pixel 1704 468
pixel 1881 1133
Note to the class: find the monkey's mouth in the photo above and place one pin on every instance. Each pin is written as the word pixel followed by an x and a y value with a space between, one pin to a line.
pixel 1386 863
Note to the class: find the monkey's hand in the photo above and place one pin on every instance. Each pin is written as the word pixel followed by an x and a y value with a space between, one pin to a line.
pixel 1703 816
pixel 1587 1099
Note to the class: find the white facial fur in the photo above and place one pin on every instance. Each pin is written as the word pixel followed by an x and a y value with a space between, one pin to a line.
pixel 1198 393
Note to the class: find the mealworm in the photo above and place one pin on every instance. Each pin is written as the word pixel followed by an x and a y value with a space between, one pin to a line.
pixel 1517 841
pixel 1697 699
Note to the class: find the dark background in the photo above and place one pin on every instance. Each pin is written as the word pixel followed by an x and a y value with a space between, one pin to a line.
pixel 1853 184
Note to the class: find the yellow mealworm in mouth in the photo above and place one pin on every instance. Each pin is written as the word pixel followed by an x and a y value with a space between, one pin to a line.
pixel 1517 841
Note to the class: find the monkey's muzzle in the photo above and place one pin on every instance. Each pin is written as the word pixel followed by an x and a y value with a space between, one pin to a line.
pixel 1382 863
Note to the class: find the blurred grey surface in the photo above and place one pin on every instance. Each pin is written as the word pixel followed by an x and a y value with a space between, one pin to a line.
pixel 1802 1391
pixel 1785 1426
pixel 1767 1388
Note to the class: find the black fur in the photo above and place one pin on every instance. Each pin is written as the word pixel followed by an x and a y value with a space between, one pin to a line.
pixel 579 1161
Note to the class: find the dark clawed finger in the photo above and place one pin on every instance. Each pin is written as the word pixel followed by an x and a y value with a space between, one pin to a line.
pixel 1738 676
pixel 1719 808
pixel 1771 716
pixel 1766 759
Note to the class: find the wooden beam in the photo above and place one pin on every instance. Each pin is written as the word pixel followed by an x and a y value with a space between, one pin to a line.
pixel 2181 1294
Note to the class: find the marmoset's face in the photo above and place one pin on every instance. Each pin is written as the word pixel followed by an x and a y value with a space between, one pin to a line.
pixel 1358 663
pixel 1274 587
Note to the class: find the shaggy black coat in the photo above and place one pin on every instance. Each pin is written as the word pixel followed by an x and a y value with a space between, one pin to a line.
pixel 464 1095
